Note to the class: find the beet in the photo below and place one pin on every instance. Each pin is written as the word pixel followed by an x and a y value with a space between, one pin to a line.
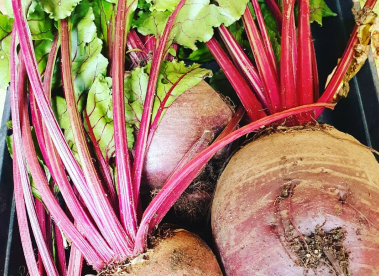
pixel 199 113
pixel 178 253
pixel 303 202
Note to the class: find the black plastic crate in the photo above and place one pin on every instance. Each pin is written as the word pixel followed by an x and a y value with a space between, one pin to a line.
pixel 357 115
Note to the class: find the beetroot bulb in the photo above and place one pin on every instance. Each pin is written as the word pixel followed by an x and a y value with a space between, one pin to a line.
pixel 189 125
pixel 299 203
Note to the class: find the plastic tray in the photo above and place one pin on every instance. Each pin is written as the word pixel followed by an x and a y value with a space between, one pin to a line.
pixel 357 115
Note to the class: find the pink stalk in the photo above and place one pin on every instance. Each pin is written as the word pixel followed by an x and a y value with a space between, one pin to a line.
pixel 176 185
pixel 294 52
pixel 51 123
pixel 61 254
pixel 113 231
pixel 244 64
pixel 57 170
pixel 18 87
pixel 287 74
pixel 265 37
pixel 268 75
pixel 158 57
pixel 316 89
pixel 22 219
pixel 342 66
pixel 134 43
pixel 273 6
pixel 41 216
pixel 150 43
pixel 252 106
pixel 75 263
pixel 304 65
pixel 104 167
pixel 123 165
pixel 48 198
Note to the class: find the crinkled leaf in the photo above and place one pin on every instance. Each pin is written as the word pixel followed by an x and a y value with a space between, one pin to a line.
pixel 195 21
pixel 6 25
pixel 41 26
pixel 59 9
pixel 319 9
pixel 87 60
pixel 100 113
pixel 42 49
pixel 135 86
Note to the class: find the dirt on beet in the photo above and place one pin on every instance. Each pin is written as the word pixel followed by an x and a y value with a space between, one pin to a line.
pixel 314 251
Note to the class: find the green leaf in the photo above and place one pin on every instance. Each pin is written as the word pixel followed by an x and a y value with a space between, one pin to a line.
pixel 41 26
pixel 42 49
pixel 104 14
pixel 100 112
pixel 59 9
pixel 6 25
pixel 195 21
pixel 86 47
pixel 9 141
pixel 319 9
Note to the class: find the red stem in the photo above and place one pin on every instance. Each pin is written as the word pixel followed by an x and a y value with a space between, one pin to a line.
pixel 18 88
pixel 40 210
pixel 104 166
pixel 316 88
pixel 252 106
pixel 287 74
pixel 158 57
pixel 123 165
pixel 56 167
pixel 150 43
pixel 266 39
pixel 47 114
pixel 304 65
pixel 134 42
pixel 75 263
pixel 273 6
pixel 61 253
pixel 113 231
pixel 268 75
pixel 23 225
pixel 244 65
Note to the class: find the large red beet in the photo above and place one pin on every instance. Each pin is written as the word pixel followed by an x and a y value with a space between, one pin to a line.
pixel 299 203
